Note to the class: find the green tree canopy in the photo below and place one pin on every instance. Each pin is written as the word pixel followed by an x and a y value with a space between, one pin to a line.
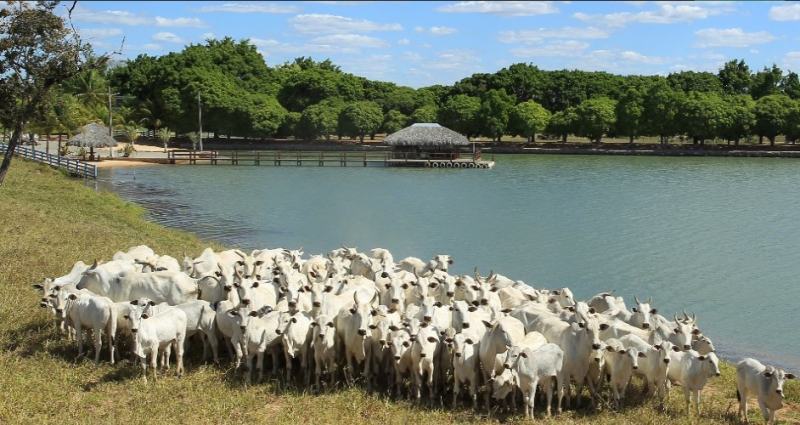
pixel 766 82
pixel 735 77
pixel 494 112
pixel 528 118
pixel 321 119
pixel 460 113
pixel 394 121
pixel 701 115
pixel 426 113
pixel 563 123
pixel 771 112
pixel 360 118
pixel 595 117
pixel 630 113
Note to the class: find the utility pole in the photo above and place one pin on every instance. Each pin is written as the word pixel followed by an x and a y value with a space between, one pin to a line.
pixel 110 121
pixel 200 120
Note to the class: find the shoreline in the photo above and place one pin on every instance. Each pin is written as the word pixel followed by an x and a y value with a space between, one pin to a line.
pixel 95 224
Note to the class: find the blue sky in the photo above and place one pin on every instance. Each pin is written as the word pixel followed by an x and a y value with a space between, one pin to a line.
pixel 424 43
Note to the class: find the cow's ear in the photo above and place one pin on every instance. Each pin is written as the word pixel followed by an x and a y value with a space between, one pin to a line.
pixel 551 300
pixel 642 355
pixel 676 349
pixel 314 324
pixel 506 310
pixel 634 309
pixel 254 285
pixel 556 292
pixel 352 311
pixel 658 347
pixel 452 308
pixel 591 310
pixel 373 327
pixel 524 355
pixel 472 309
pixel 790 376
pixel 654 311
pixel 404 286
pixel 696 332
pixel 393 328
pixel 145 316
pixel 233 312
pixel 571 308
pixel 253 314
pixel 135 302
pixel 388 285
pixel 487 324
pixel 259 262
pixel 437 304
pixel 406 344
pixel 152 303
pixel 469 341
pixel 622 351
pixel 603 326
pixel 702 357
pixel 432 339
pixel 73 297
pixel 768 373
pixel 294 320
pixel 37 286
pixel 610 348
pixel 126 317
pixel 494 289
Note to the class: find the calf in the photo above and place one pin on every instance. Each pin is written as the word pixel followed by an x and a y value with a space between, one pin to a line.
pixel 352 327
pixel 323 342
pixel 158 333
pixel 295 332
pixel 401 354
pixel 93 312
pixel 423 359
pixel 691 371
pixel 254 335
pixel 466 367
pixel 652 367
pixel 766 382
pixel 502 334
pixel 620 364
pixel 533 367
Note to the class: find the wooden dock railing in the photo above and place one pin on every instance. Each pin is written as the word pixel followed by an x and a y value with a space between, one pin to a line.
pixel 72 166
pixel 318 158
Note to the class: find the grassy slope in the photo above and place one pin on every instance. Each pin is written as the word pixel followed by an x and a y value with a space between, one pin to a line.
pixel 50 221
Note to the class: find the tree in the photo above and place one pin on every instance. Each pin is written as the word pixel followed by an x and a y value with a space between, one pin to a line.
pixel 523 81
pixel 163 134
pixel 771 113
pixel 740 118
pixel 595 117
pixel 630 113
pixel 528 118
pixel 460 113
pixel 687 81
pixel 493 115
pixel 130 132
pixel 265 115
pixel 320 119
pixel 660 111
pixel 790 85
pixel 562 123
pixel 38 50
pixel 394 121
pixel 360 118
pixel 766 82
pixel 426 113
pixel 792 126
pixel 701 115
pixel 735 77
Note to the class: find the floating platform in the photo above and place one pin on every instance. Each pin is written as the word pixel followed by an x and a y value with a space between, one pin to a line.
pixel 323 159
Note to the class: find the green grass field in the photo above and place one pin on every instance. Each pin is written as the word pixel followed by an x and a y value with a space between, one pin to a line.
pixel 50 221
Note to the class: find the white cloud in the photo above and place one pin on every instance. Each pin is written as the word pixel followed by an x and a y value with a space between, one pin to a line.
pixel 179 22
pixel 436 30
pixel 631 56
pixel 730 37
pixel 348 41
pixel 791 60
pixel 167 37
pixel 554 49
pixel 506 8
pixel 404 42
pixel 540 34
pixel 124 17
pixel 789 12
pixel 95 33
pixel 665 13
pixel 274 8
pixel 454 59
pixel 333 24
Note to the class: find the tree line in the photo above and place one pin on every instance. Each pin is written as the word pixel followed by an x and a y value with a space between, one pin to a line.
pixel 244 97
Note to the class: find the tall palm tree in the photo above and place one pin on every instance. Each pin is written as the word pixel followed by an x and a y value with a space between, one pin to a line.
pixel 91 88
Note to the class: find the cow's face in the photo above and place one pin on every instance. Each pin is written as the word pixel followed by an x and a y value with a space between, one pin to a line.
pixel 703 345
pixel 564 297
pixel 242 315
pixel 502 384
pixel 428 309
pixel 711 364
pixel 642 314
pixel 682 334
pixel 774 380
pixel 426 342
pixel 399 345
pixel 324 331
pixel 443 262
pixel 396 294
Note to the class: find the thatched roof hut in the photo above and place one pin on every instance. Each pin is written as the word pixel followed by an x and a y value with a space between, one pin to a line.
pixel 93 136
pixel 426 135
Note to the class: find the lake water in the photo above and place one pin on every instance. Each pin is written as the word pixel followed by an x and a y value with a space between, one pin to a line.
pixel 717 236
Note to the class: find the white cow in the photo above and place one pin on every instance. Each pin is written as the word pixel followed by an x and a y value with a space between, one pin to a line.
pixel 500 335
pixel 414 264
pixel 620 364
pixel 158 333
pixel 352 328
pixel 691 371
pixel 253 336
pixel 532 368
pixel 766 382
pixel 653 366
pixel 466 365
pixel 323 342
pixel 200 319
pixel 91 312
pixel 169 287
pixel 296 333
pixel 423 360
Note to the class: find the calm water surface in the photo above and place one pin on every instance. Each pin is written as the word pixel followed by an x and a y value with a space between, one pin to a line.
pixel 717 236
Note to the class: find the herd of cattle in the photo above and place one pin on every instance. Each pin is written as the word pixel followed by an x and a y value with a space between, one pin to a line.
pixel 403 327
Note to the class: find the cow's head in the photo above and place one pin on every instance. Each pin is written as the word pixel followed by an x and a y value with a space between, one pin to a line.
pixel 774 379
pixel 642 313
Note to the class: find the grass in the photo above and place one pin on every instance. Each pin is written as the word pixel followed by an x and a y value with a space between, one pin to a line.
pixel 50 221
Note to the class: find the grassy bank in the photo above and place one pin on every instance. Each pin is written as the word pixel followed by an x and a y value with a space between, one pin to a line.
pixel 50 221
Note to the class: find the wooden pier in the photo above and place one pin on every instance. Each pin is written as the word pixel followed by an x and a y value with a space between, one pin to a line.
pixel 328 159
pixel 73 167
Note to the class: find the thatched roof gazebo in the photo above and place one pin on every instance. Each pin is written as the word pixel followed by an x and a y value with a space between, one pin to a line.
pixel 426 140
pixel 92 136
